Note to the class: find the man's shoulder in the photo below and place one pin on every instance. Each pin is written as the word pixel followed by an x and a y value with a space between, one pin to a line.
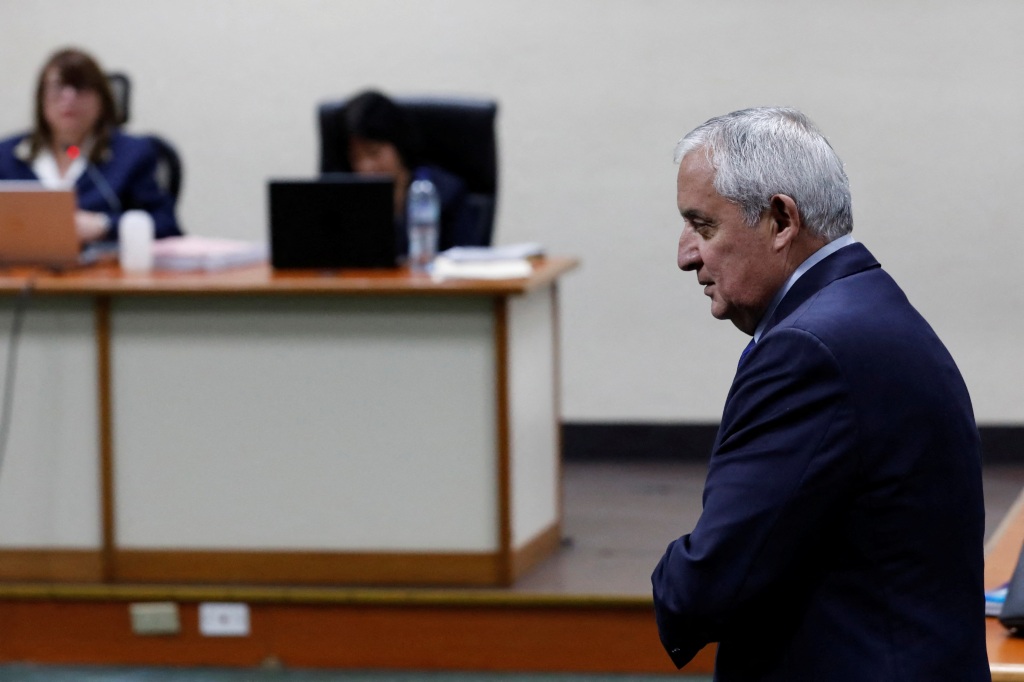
pixel 860 318
pixel 860 299
pixel 848 285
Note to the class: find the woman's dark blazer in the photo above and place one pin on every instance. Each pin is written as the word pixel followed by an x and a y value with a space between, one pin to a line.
pixel 124 179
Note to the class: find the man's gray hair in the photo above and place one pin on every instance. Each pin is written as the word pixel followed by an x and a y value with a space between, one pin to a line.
pixel 757 153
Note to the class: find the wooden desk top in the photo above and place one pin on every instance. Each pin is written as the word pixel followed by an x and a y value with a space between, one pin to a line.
pixel 108 279
pixel 1005 653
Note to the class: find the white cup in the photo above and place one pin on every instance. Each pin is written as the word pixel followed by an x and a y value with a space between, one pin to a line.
pixel 136 238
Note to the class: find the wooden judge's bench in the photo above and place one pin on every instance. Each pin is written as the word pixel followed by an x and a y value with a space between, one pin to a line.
pixel 259 427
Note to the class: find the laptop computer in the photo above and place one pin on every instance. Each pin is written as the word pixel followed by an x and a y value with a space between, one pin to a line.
pixel 37 226
pixel 339 220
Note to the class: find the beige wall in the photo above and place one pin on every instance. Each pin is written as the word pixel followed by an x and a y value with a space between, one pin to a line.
pixel 923 100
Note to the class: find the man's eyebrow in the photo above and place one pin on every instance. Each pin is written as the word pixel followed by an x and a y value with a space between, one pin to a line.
pixel 694 214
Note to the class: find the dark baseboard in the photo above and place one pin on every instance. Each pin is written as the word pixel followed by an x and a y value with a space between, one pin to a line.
pixel 636 441
pixel 643 442
pixel 1002 444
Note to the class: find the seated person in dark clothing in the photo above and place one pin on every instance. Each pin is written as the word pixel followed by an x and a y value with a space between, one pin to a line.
pixel 75 144
pixel 383 141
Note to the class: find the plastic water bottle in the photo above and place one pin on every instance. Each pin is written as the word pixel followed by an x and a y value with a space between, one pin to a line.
pixel 422 221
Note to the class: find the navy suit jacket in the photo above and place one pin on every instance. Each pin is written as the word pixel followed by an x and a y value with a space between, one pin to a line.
pixel 129 171
pixel 843 522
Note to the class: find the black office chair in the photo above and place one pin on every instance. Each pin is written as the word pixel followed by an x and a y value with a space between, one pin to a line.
pixel 168 164
pixel 457 134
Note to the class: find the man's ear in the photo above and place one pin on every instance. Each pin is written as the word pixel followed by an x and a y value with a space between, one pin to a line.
pixel 786 218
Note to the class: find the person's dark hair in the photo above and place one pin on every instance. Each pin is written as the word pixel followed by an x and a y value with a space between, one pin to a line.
pixel 79 70
pixel 374 116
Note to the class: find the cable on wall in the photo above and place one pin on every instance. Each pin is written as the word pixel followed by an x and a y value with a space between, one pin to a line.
pixel 17 320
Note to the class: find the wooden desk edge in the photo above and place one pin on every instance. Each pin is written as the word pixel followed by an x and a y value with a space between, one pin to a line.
pixel 454 597
pixel 1007 672
pixel 263 280
pixel 1005 653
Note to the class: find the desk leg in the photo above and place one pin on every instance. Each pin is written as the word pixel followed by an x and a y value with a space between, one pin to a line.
pixel 505 571
pixel 556 353
pixel 106 434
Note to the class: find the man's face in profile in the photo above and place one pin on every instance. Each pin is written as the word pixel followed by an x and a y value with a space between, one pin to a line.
pixel 736 263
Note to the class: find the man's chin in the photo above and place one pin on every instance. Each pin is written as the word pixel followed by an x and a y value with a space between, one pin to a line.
pixel 734 315
pixel 720 312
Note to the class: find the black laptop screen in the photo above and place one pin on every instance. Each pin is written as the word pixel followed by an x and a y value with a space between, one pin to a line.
pixel 339 220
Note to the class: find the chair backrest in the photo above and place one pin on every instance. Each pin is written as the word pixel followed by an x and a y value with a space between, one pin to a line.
pixel 457 134
pixel 121 88
pixel 168 166
pixel 168 163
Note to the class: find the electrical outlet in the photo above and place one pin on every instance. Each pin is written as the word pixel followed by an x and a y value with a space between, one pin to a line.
pixel 219 619
pixel 155 618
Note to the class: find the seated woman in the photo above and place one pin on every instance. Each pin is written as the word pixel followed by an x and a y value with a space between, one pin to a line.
pixel 382 140
pixel 76 144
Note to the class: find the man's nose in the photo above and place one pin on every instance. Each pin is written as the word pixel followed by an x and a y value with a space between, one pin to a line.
pixel 688 257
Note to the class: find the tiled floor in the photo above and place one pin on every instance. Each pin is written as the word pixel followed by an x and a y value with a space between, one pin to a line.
pixel 620 517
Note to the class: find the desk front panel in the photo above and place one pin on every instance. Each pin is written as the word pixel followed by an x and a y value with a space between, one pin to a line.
pixel 49 474
pixel 323 424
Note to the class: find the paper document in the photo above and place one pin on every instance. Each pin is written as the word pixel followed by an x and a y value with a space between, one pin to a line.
pixel 509 268
pixel 205 253
pixel 462 254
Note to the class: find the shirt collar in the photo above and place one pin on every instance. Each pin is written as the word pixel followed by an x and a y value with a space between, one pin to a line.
pixel 811 261
pixel 45 168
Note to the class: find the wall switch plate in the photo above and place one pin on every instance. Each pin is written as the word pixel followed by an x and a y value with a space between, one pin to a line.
pixel 221 619
pixel 155 618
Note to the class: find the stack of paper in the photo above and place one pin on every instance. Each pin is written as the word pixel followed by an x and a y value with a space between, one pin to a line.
pixel 205 253
pixel 486 262
pixel 493 253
